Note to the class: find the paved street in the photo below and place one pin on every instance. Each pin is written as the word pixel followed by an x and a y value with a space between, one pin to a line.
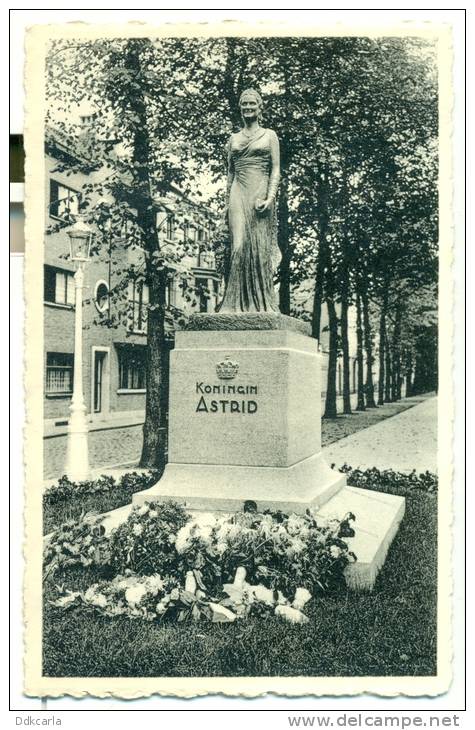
pixel 106 448
pixel 403 442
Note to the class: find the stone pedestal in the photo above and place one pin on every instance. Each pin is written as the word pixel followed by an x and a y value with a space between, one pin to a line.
pixel 245 424
pixel 244 421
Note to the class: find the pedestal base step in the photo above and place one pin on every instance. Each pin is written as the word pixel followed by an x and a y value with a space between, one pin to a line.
pixel 378 516
pixel 309 483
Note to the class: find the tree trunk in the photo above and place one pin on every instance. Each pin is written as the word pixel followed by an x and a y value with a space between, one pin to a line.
pixel 382 341
pixel 368 344
pixel 388 371
pixel 318 294
pixel 396 355
pixel 425 366
pixel 156 375
pixel 408 374
pixel 156 404
pixel 322 256
pixel 284 245
pixel 346 356
pixel 330 400
pixel 360 406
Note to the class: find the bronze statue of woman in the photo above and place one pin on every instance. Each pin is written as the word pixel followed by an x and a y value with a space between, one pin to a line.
pixel 253 178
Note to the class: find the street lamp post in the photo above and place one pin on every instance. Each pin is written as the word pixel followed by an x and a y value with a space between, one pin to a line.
pixel 77 456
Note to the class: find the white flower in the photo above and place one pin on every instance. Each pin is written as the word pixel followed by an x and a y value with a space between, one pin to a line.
pixel 154 583
pixel 292 615
pixel 234 532
pixel 294 525
pixel 66 600
pixel 222 531
pixel 335 551
pixel 122 583
pixel 302 596
pixel 95 599
pixel 205 532
pixel 182 538
pixel 174 594
pixel 205 519
pixel 134 594
pixel 137 530
pixel 221 546
pixel 153 514
pixel 296 546
pixel 263 594
pixel 143 510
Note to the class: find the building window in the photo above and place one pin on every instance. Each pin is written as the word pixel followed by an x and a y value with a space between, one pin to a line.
pixel 171 292
pixel 131 367
pixel 101 298
pixel 170 227
pixel 87 120
pixel 201 287
pixel 185 231
pixel 63 201
pixel 138 298
pixel 58 286
pixel 202 235
pixel 59 372
pixel 206 260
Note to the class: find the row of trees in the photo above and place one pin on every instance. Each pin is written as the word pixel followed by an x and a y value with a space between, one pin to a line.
pixel 357 206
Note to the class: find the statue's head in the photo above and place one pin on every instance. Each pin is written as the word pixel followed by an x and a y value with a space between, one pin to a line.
pixel 250 104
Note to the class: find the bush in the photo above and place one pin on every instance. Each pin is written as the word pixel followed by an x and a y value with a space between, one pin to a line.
pixel 66 490
pixel 394 482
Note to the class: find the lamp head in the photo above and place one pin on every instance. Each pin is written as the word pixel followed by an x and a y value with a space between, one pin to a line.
pixel 80 239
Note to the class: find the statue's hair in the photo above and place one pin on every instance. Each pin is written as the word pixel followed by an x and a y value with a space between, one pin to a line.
pixel 251 92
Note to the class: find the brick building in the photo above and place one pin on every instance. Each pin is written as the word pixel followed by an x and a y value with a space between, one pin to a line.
pixel 113 358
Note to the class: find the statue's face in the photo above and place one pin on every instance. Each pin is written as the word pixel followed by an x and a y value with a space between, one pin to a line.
pixel 249 107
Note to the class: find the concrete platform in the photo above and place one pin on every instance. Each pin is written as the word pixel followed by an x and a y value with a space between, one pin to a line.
pixel 225 488
pixel 378 516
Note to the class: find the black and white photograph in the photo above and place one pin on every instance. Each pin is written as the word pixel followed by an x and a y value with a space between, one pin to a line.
pixel 238 348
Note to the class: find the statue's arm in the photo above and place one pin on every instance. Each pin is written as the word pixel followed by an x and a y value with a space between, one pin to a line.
pixel 274 176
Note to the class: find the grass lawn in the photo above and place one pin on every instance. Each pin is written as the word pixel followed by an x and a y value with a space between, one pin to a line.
pixel 55 514
pixel 391 631
pixel 337 428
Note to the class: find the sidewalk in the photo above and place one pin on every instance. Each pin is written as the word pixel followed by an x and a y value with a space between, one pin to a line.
pixel 403 442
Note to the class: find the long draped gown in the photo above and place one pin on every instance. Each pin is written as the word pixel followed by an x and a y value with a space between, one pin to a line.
pixel 254 251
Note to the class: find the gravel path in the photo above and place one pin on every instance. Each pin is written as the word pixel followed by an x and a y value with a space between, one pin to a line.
pixel 403 442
